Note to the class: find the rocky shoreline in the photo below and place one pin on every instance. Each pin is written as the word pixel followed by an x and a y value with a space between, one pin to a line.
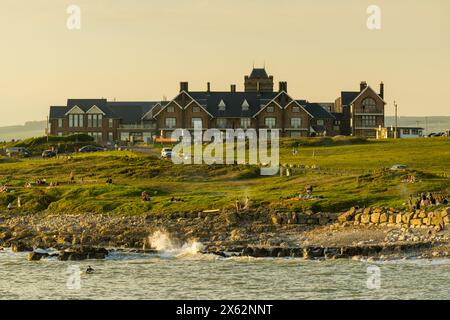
pixel 256 233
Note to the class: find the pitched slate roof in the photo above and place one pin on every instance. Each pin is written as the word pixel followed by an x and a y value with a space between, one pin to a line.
pixel 233 102
pixel 316 110
pixel 347 97
pixel 259 73
pixel 58 112
pixel 86 104
pixel 130 112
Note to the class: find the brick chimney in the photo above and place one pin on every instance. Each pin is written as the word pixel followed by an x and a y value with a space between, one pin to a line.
pixel 208 87
pixel 233 88
pixel 362 86
pixel 382 90
pixel 184 86
pixel 282 86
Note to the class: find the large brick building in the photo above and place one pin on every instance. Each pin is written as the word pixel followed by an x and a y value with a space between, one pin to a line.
pixel 259 106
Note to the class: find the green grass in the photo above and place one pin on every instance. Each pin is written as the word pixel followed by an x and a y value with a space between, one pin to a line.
pixel 349 172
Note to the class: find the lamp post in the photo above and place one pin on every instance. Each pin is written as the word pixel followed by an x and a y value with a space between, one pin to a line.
pixel 396 121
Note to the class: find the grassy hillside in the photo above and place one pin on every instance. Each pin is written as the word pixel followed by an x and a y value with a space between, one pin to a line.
pixel 344 173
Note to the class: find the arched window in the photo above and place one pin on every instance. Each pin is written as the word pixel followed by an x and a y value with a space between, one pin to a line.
pixel 369 105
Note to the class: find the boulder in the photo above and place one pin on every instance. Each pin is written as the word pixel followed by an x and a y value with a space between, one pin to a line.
pixel 20 247
pixel 365 218
pixel 445 213
pixel 375 217
pixel 416 222
pixel 422 214
pixel 83 253
pixel 398 218
pixel 391 219
pixel 36 256
pixel 383 218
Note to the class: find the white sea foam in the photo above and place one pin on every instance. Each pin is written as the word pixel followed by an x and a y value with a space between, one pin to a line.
pixel 169 247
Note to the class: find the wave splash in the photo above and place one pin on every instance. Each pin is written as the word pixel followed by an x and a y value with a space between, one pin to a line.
pixel 168 246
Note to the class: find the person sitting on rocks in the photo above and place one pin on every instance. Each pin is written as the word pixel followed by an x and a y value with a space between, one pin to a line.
pixel 309 189
pixel 145 197
pixel 3 189
pixel 10 206
pixel 109 181
pixel 424 202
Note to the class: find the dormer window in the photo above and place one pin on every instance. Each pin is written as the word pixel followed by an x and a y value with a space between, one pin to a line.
pixel 296 109
pixel 195 109
pixel 270 109
pixel 222 105
pixel 170 109
pixel 245 105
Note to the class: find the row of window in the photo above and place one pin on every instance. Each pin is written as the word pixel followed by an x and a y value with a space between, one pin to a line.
pixel 270 122
pixel 245 107
pixel 415 132
pixel 368 121
pixel 93 121
pixel 98 136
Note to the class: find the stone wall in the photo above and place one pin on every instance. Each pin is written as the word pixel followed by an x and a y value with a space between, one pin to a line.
pixel 438 218
pixel 307 218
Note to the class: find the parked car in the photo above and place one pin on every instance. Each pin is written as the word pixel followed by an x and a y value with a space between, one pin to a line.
pixel 48 154
pixel 396 167
pixel 18 152
pixel 90 149
pixel 166 153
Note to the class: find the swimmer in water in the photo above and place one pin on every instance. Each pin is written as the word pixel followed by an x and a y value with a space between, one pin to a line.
pixel 89 270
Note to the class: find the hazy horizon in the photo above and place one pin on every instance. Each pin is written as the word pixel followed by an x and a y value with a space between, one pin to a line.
pixel 135 50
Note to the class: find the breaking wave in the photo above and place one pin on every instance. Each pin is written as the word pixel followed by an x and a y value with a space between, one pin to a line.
pixel 168 246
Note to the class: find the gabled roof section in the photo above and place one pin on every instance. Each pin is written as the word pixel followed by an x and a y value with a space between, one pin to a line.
pixel 366 89
pixel 348 97
pixel 166 103
pixel 317 111
pixel 95 110
pixel 222 104
pixel 233 102
pixel 86 104
pixel 75 110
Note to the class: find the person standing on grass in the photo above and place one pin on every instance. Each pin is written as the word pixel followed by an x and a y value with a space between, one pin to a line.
pixel 72 177
pixel 19 202
pixel 238 205
pixel 247 203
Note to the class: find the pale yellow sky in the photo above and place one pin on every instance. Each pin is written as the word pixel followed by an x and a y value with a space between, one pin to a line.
pixel 141 50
